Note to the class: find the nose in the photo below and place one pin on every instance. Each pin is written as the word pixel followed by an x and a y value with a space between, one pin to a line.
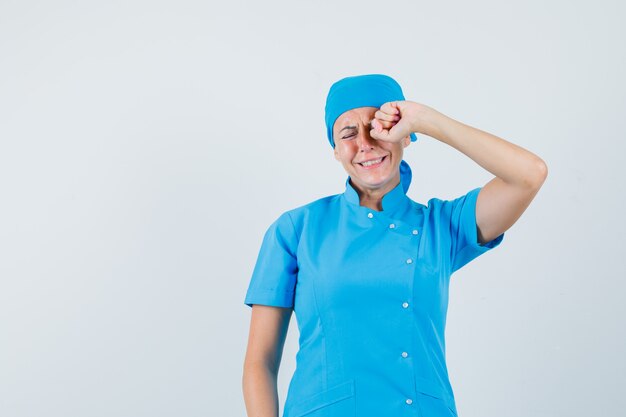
pixel 365 140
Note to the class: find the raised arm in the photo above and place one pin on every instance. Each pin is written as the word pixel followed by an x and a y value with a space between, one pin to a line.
pixel 266 339
pixel 519 174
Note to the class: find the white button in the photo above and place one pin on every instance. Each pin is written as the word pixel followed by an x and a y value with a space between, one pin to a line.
pixel 392 226
pixel 405 304
pixel 370 215
pixel 409 261
pixel 414 231
pixel 409 401
pixel 404 354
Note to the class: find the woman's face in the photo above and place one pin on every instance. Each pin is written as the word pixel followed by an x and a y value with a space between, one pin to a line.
pixel 354 146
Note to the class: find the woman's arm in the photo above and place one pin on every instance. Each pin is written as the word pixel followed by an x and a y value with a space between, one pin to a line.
pixel 268 331
pixel 519 174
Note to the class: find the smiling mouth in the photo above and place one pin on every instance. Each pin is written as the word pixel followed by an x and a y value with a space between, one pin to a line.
pixel 372 162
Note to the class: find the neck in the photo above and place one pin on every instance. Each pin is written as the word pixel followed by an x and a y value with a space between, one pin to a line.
pixel 373 197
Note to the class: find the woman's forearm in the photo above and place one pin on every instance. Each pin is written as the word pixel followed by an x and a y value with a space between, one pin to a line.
pixel 511 163
pixel 260 390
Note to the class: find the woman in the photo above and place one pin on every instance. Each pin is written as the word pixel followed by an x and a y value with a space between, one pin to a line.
pixel 367 271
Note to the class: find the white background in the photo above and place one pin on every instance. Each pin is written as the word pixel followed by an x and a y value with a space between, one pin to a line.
pixel 146 146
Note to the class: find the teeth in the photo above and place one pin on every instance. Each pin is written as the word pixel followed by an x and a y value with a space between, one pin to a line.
pixel 368 163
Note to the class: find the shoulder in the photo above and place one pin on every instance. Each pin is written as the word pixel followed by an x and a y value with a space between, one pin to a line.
pixel 436 203
pixel 296 218
pixel 320 206
pixel 437 208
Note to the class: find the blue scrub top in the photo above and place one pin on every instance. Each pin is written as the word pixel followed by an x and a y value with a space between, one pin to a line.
pixel 370 293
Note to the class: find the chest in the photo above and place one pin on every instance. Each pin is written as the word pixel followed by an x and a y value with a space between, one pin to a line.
pixel 365 265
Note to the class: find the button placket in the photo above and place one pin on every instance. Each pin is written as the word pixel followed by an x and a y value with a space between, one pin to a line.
pixel 405 305
pixel 404 231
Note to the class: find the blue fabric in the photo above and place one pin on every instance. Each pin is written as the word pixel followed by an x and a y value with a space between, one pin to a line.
pixel 364 292
pixel 370 90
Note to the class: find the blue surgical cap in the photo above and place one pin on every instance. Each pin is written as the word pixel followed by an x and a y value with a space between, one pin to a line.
pixel 371 90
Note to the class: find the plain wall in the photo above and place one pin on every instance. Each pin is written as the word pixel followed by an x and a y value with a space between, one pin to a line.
pixel 146 146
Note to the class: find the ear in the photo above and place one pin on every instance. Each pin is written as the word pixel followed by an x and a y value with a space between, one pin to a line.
pixel 406 141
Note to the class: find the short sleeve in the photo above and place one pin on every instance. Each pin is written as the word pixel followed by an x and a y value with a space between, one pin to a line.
pixel 464 231
pixel 273 280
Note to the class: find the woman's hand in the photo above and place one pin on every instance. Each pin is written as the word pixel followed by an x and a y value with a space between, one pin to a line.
pixel 396 120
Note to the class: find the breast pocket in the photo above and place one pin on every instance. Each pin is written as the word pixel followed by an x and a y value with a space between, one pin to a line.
pixel 336 401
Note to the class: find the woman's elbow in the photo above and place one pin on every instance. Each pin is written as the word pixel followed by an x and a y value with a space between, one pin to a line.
pixel 542 171
pixel 537 174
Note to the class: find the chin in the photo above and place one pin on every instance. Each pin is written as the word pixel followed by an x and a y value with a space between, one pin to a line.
pixel 375 180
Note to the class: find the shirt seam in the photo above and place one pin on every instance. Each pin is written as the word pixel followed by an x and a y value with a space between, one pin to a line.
pixel 325 364
pixel 294 228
